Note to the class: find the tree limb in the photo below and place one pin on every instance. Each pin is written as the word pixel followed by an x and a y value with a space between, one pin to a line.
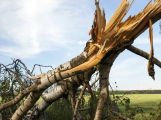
pixel 104 69
pixel 143 54
pixel 119 114
pixel 18 98
pixel 28 71
pixel 78 100
pixel 7 69
pixel 95 81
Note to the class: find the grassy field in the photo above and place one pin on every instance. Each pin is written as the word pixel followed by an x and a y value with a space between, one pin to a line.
pixel 143 100
pixel 136 100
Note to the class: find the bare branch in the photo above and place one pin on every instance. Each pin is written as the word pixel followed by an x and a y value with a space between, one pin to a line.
pixel 78 100
pixel 84 109
pixel 18 98
pixel 119 114
pixel 143 54
pixel 7 69
pixel 79 89
pixel 28 71
pixel 40 67
pixel 95 82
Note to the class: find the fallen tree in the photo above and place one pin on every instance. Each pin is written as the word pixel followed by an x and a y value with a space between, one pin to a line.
pixel 106 43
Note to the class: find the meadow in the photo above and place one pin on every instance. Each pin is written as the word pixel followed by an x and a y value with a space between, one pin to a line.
pixel 61 109
pixel 143 102
pixel 140 101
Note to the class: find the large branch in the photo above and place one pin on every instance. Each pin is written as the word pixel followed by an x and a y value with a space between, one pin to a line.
pixel 104 70
pixel 143 54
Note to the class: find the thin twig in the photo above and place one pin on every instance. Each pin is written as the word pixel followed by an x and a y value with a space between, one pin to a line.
pixel 120 115
pixel 95 82
pixel 7 69
pixel 28 71
pixel 78 100
pixel 84 109
pixel 40 66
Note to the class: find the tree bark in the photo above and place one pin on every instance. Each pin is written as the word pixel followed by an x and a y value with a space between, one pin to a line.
pixel 58 91
pixel 49 79
pixel 34 96
pixel 26 105
pixel 48 98
pixel 104 69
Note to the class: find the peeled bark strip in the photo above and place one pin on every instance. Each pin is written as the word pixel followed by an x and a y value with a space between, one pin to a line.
pixel 150 62
pixel 143 54
pixel 104 69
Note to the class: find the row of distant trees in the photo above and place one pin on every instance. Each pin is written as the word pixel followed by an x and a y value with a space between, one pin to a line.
pixel 138 92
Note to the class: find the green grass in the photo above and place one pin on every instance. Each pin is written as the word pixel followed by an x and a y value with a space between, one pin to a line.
pixel 40 99
pixel 143 100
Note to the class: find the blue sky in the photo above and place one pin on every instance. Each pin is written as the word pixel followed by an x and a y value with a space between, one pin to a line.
pixel 51 32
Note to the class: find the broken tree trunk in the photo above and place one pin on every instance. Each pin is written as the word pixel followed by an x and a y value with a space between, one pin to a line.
pixel 108 37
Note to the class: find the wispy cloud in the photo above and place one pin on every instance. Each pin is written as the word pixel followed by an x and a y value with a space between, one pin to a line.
pixel 82 42
pixel 30 27
pixel 123 68
pixel 147 40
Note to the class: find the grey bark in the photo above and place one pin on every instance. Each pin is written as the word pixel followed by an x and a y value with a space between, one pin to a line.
pixel 104 70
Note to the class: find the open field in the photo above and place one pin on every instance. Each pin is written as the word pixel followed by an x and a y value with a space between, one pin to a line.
pixel 145 101
pixel 136 100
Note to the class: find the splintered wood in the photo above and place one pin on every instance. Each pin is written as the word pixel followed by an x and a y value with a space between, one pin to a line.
pixel 116 33
pixel 150 62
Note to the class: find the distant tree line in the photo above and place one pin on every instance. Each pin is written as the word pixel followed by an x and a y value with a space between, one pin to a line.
pixel 137 92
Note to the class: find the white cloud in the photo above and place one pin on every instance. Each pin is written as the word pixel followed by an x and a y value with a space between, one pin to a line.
pixel 82 42
pixel 125 64
pixel 30 27
pixel 147 40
